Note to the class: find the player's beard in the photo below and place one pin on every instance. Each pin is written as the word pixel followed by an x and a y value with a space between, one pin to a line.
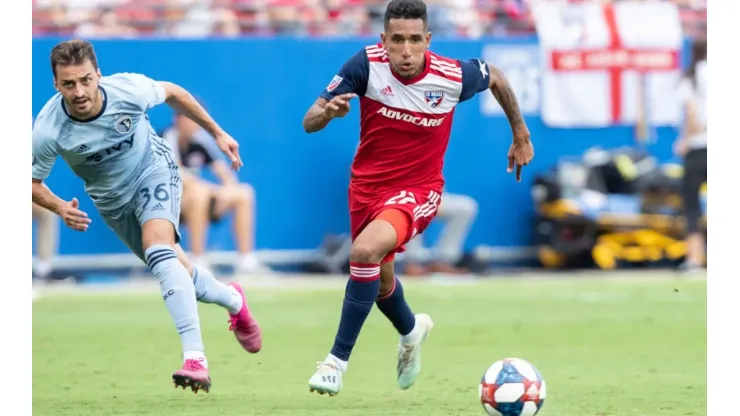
pixel 89 105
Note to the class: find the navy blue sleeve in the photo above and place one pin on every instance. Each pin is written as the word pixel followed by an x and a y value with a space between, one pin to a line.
pixel 475 78
pixel 351 78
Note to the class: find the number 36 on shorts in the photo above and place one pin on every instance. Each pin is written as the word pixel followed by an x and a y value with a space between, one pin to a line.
pixel 158 193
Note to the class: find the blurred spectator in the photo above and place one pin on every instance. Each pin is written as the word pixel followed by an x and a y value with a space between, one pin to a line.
pixel 200 18
pixel 204 202
pixel 104 23
pixel 692 146
pixel 458 213
pixel 47 238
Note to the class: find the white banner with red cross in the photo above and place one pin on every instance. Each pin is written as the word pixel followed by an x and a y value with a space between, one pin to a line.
pixel 604 64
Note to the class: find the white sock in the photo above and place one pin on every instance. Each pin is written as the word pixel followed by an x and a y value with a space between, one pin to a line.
pixel 43 268
pixel 209 290
pixel 341 364
pixel 195 355
pixel 236 301
pixel 412 336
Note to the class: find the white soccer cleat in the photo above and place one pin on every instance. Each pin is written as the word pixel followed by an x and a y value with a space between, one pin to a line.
pixel 409 354
pixel 326 380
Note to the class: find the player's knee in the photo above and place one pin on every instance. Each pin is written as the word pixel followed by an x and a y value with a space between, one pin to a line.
pixel 158 231
pixel 365 253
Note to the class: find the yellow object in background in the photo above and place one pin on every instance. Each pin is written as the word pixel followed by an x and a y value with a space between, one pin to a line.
pixel 652 238
pixel 653 253
pixel 604 256
pixel 550 258
pixel 676 250
pixel 559 209
pixel 635 247
pixel 633 254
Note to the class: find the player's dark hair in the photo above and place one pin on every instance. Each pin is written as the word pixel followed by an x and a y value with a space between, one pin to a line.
pixel 72 52
pixel 405 9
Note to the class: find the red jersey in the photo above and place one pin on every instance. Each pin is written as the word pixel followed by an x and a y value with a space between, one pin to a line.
pixel 405 123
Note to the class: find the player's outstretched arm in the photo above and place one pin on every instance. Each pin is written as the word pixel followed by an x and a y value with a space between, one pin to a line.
pixel 504 94
pixel 184 103
pixel 68 210
pixel 323 111
pixel 521 151
pixel 180 100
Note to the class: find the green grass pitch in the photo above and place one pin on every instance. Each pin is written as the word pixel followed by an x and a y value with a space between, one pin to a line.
pixel 610 347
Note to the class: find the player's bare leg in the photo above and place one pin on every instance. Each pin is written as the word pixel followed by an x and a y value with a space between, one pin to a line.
pixel 413 329
pixel 368 249
pixel 239 199
pixel 231 297
pixel 178 292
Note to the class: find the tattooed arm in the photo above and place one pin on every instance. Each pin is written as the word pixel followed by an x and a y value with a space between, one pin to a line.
pixel 479 76
pixel 501 90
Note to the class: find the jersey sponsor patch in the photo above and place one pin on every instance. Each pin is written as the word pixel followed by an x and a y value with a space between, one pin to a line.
pixel 434 98
pixel 419 121
pixel 334 83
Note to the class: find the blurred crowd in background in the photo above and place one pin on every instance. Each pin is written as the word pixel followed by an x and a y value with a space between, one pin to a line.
pixel 231 18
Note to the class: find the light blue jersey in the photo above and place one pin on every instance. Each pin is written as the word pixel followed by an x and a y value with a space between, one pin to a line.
pixel 110 151
pixel 129 172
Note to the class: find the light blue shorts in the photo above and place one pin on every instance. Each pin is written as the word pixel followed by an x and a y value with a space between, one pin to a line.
pixel 158 195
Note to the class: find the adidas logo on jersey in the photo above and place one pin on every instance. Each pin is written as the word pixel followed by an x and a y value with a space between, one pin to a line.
pixel 419 121
pixel 82 149
pixel 157 207
pixel 387 91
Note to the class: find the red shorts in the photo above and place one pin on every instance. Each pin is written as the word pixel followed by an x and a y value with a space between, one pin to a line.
pixel 419 204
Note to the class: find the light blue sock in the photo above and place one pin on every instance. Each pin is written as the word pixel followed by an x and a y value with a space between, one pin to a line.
pixel 178 293
pixel 210 290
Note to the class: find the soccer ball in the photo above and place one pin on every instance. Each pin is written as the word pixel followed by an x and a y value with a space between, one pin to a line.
pixel 512 387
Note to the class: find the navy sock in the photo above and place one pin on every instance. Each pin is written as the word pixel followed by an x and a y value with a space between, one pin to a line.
pixel 395 308
pixel 359 296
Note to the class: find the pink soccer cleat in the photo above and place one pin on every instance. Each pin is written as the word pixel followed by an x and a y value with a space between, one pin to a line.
pixel 246 329
pixel 194 375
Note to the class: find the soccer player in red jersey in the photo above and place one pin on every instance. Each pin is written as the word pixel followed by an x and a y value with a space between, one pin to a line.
pixel 407 99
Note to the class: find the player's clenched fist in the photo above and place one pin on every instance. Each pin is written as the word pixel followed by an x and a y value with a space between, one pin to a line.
pixel 73 217
pixel 338 106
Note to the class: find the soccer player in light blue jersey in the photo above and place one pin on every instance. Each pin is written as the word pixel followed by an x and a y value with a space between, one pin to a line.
pixel 99 126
